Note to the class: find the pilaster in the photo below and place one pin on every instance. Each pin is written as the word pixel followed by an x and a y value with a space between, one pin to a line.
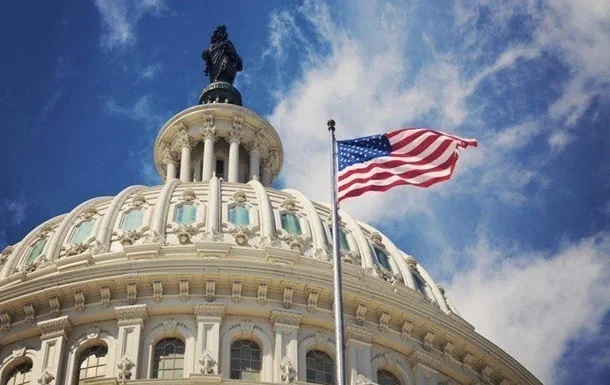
pixel 130 320
pixel 54 333
pixel 358 352
pixel 209 318
pixel 286 327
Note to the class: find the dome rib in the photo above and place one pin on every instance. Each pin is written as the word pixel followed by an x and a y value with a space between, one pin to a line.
pixel 105 230
pixel 160 215
pixel 267 223
pixel 213 220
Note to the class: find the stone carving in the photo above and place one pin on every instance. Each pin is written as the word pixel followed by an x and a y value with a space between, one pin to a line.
pixel 236 292
pixel 6 252
pixel 285 317
pixel 360 313
pixel 376 238
pixel 55 306
pixel 427 339
pixel 128 237
pixel 188 195
pixel 241 234
pixel 384 319
pixel 153 236
pixel 138 199
pixel 93 332
pixel 405 330
pixel 240 196
pixel 210 291
pixel 168 155
pixel 208 310
pixel 185 233
pixel 130 314
pixel 412 262
pixel 289 373
pixel 222 63
pixel 287 297
pixel 184 290
pixel 247 326
pixel 289 204
pixel 105 296
pixel 207 363
pixel 358 333
pixel 157 291
pixel 79 301
pixel 5 322
pixel 447 350
pixel 30 313
pixel 132 293
pixel 467 360
pixel 19 351
pixel 54 327
pixel 170 325
pixel 261 294
pixel 212 236
pixel 361 379
pixel 124 366
pixel 295 242
pixel 322 339
pixel 75 249
pixel 312 301
pixel 46 378
pixel 89 212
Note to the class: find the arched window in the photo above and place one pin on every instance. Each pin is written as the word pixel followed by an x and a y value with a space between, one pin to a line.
pixel 386 378
pixel 36 249
pixel 82 231
pixel 245 360
pixel 383 258
pixel 239 215
pixel 20 375
pixel 168 360
pixel 132 219
pixel 92 363
pixel 291 224
pixel 186 214
pixel 320 368
pixel 343 243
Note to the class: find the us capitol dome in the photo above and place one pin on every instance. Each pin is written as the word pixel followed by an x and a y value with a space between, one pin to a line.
pixel 215 277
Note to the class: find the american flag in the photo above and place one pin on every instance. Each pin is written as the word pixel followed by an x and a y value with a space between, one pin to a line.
pixel 415 156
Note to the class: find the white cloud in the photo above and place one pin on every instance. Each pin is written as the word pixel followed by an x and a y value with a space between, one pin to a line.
pixel 151 71
pixel 533 304
pixel 120 18
pixel 141 111
pixel 16 209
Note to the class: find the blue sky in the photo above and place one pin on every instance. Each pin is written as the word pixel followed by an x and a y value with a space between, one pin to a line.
pixel 520 236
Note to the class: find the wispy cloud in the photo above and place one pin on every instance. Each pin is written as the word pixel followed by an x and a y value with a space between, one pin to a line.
pixel 13 212
pixel 141 110
pixel 120 19
pixel 151 71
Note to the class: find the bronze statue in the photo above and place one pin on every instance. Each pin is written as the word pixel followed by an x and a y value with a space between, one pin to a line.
pixel 221 59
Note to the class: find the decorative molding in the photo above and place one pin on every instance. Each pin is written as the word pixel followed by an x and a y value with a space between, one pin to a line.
pixel 188 195
pixel 448 350
pixel 405 330
pixel 131 314
pixel 210 290
pixel 208 119
pixel 79 301
pixel 55 306
pixel 132 293
pixel 170 325
pixel 423 357
pixel 184 290
pixel 157 287
pixel 358 333
pixel 287 297
pixel 106 296
pixel 312 301
pixel 467 360
pixel 54 327
pixel 361 379
pixel 285 317
pixel 360 313
pixel 46 378
pixel 261 293
pixel 125 366
pixel 427 339
pixel 208 310
pixel 208 363
pixel 384 319
pixel 19 351
pixel 246 326
pixel 236 292
pixel 30 313
pixel 5 322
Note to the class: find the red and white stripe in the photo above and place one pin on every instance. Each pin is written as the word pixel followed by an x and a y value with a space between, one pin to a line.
pixel 419 157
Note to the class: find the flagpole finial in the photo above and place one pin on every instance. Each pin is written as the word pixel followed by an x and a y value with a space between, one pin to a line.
pixel 331 125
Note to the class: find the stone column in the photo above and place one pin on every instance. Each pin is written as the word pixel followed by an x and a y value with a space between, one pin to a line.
pixel 169 161
pixel 358 354
pixel 54 333
pixel 234 139
pixel 254 162
pixel 207 353
pixel 185 149
pixel 286 357
pixel 208 134
pixel 131 322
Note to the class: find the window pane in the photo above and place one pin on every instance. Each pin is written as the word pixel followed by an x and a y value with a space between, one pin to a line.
pixel 92 362
pixel 245 360
pixel 132 219
pixel 382 257
pixel 36 250
pixel 20 375
pixel 168 359
pixel 82 231
pixel 320 368
pixel 186 214
pixel 291 224
pixel 239 215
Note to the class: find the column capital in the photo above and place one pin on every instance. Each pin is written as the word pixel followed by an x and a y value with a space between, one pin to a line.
pixel 168 155
pixel 235 135
pixel 285 317
pixel 134 314
pixel 55 327
pixel 208 133
pixel 259 145
pixel 204 310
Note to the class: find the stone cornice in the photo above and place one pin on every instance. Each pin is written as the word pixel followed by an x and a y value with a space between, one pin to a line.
pixel 419 356
pixel 358 333
pixel 54 327
pixel 205 310
pixel 131 314
pixel 285 317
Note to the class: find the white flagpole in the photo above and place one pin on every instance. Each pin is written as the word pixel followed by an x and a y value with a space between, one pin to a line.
pixel 338 299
